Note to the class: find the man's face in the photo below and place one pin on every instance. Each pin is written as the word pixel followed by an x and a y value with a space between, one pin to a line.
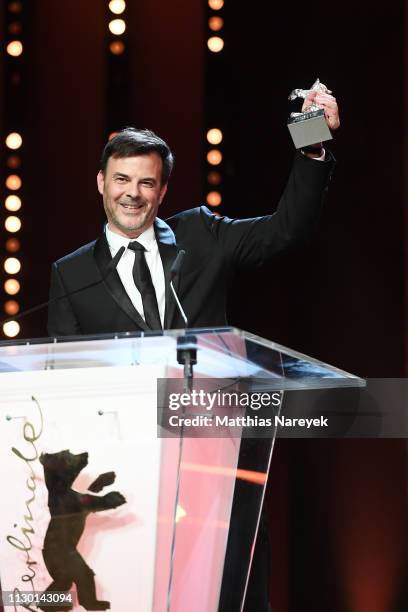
pixel 132 192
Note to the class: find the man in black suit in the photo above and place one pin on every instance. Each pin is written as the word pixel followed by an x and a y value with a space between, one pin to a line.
pixel 135 294
pixel 136 165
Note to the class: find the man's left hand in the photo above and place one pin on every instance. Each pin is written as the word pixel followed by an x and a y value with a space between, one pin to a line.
pixel 324 100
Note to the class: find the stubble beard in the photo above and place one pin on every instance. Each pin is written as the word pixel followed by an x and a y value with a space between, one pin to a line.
pixel 130 227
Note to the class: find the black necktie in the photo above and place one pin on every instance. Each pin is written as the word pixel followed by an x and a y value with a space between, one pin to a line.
pixel 143 281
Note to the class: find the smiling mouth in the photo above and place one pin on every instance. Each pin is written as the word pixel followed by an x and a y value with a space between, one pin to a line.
pixel 131 206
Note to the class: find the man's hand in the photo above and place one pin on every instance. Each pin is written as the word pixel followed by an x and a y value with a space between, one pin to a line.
pixel 327 102
pixel 322 99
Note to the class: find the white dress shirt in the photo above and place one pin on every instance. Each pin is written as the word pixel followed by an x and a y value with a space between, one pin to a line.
pixel 125 267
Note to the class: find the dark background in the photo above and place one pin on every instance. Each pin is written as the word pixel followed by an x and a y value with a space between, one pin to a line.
pixel 338 508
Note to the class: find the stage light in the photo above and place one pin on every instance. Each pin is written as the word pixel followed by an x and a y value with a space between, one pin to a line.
pixel 12 245
pixel 14 140
pixel 15 7
pixel 11 307
pixel 11 286
pixel 13 182
pixel 11 329
pixel 215 44
pixel 214 157
pixel 12 224
pixel 15 48
pixel 12 265
pixel 12 203
pixel 215 5
pixel 214 136
pixel 214 178
pixel 214 198
pixel 13 162
pixel 15 27
pixel 117 26
pixel 117 47
pixel 117 6
pixel 215 24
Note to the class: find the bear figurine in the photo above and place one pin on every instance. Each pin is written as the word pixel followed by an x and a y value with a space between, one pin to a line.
pixel 69 510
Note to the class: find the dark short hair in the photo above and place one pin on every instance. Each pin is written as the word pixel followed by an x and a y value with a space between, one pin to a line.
pixel 132 141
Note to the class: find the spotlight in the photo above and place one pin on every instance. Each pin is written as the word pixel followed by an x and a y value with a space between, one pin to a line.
pixel 13 182
pixel 12 224
pixel 11 286
pixel 12 265
pixel 11 329
pixel 14 140
pixel 117 26
pixel 12 203
pixel 15 48
pixel 214 157
pixel 214 136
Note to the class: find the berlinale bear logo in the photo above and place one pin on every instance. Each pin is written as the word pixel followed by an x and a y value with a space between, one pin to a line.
pixel 69 510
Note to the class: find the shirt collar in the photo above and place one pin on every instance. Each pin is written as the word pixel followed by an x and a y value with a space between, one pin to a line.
pixel 116 241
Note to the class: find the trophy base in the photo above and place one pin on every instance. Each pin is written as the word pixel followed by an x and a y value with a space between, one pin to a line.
pixel 309 128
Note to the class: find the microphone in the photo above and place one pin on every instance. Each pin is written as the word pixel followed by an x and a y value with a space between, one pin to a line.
pixel 108 270
pixel 174 271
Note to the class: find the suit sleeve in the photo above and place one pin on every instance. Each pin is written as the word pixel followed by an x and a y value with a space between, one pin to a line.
pixel 251 242
pixel 61 317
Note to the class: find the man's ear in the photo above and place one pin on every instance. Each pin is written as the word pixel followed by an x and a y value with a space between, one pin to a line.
pixel 163 191
pixel 100 181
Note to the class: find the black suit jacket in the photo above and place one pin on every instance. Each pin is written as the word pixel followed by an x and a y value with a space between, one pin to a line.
pixel 216 248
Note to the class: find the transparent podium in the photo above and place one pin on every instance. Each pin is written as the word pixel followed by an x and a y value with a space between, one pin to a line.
pixel 129 485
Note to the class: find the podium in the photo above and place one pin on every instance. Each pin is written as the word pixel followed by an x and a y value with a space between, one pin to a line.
pixel 120 494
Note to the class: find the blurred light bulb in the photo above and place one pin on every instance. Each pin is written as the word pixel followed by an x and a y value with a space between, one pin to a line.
pixel 214 157
pixel 214 198
pixel 12 203
pixel 12 224
pixel 12 245
pixel 215 24
pixel 214 136
pixel 215 5
pixel 117 6
pixel 214 178
pixel 11 286
pixel 12 265
pixel 13 182
pixel 215 44
pixel 117 47
pixel 11 307
pixel 117 26
pixel 11 329
pixel 14 140
pixel 15 48
pixel 13 162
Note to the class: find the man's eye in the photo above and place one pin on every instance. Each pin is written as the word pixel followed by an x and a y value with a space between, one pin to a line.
pixel 147 184
pixel 120 179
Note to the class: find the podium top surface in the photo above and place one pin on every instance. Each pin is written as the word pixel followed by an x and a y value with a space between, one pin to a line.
pixel 221 353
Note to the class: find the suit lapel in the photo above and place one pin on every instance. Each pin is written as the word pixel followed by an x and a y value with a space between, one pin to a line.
pixel 168 250
pixel 113 283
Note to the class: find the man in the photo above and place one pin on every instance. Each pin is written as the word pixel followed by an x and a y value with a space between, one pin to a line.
pixel 96 297
pixel 136 165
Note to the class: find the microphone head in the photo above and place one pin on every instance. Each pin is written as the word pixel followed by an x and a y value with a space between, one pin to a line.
pixel 175 268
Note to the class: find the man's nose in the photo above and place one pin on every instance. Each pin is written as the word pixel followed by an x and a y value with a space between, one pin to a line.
pixel 132 190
